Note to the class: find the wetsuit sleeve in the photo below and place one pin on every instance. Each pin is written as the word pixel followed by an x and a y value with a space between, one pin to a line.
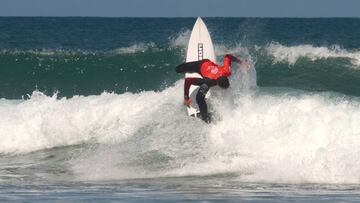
pixel 197 82
pixel 188 83
pixel 189 67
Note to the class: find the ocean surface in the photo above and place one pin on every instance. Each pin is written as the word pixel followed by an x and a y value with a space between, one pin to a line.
pixel 91 111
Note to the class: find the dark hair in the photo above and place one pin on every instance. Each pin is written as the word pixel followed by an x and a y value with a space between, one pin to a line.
pixel 223 82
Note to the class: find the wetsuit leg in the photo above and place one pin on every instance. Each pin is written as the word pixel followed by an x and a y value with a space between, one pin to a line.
pixel 200 99
pixel 190 67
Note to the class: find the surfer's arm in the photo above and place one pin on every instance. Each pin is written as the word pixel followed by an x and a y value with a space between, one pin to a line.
pixel 187 84
pixel 228 59
pixel 244 63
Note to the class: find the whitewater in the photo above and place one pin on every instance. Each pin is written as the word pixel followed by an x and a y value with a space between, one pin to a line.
pixel 259 134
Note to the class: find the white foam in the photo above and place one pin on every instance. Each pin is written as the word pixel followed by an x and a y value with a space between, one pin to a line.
pixel 45 122
pixel 262 135
pixel 267 135
pixel 281 138
pixel 181 39
pixel 291 54
pixel 182 140
pixel 135 48
pixel 46 52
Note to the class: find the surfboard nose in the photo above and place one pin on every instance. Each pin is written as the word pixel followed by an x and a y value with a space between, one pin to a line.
pixel 199 21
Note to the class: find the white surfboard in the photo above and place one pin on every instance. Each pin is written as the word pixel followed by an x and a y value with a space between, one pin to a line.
pixel 200 47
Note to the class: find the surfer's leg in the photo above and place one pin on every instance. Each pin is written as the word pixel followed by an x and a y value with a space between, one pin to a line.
pixel 189 67
pixel 200 99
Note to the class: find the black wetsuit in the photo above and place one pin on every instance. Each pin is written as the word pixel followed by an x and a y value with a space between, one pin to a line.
pixel 204 83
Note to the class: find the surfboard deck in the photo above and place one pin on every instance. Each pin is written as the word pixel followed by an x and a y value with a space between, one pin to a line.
pixel 200 47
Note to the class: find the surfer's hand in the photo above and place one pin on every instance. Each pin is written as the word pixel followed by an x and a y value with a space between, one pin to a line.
pixel 187 102
pixel 237 60
pixel 233 58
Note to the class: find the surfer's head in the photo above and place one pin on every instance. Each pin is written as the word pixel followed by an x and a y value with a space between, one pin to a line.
pixel 223 82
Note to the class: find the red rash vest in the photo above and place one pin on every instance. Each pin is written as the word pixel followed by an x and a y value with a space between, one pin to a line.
pixel 211 70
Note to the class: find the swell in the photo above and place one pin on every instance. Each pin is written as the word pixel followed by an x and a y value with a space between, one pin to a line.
pixel 86 73
pixel 150 66
pixel 310 68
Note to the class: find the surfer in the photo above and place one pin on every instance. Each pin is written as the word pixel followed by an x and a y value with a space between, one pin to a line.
pixel 212 75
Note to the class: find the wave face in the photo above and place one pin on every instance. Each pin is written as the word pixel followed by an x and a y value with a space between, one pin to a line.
pixel 97 99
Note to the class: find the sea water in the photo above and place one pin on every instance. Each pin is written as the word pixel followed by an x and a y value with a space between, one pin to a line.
pixel 91 111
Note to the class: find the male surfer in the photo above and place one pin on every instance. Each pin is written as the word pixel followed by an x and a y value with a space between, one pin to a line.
pixel 212 75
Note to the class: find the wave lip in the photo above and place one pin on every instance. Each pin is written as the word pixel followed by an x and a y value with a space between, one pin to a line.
pixel 291 54
pixel 181 39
